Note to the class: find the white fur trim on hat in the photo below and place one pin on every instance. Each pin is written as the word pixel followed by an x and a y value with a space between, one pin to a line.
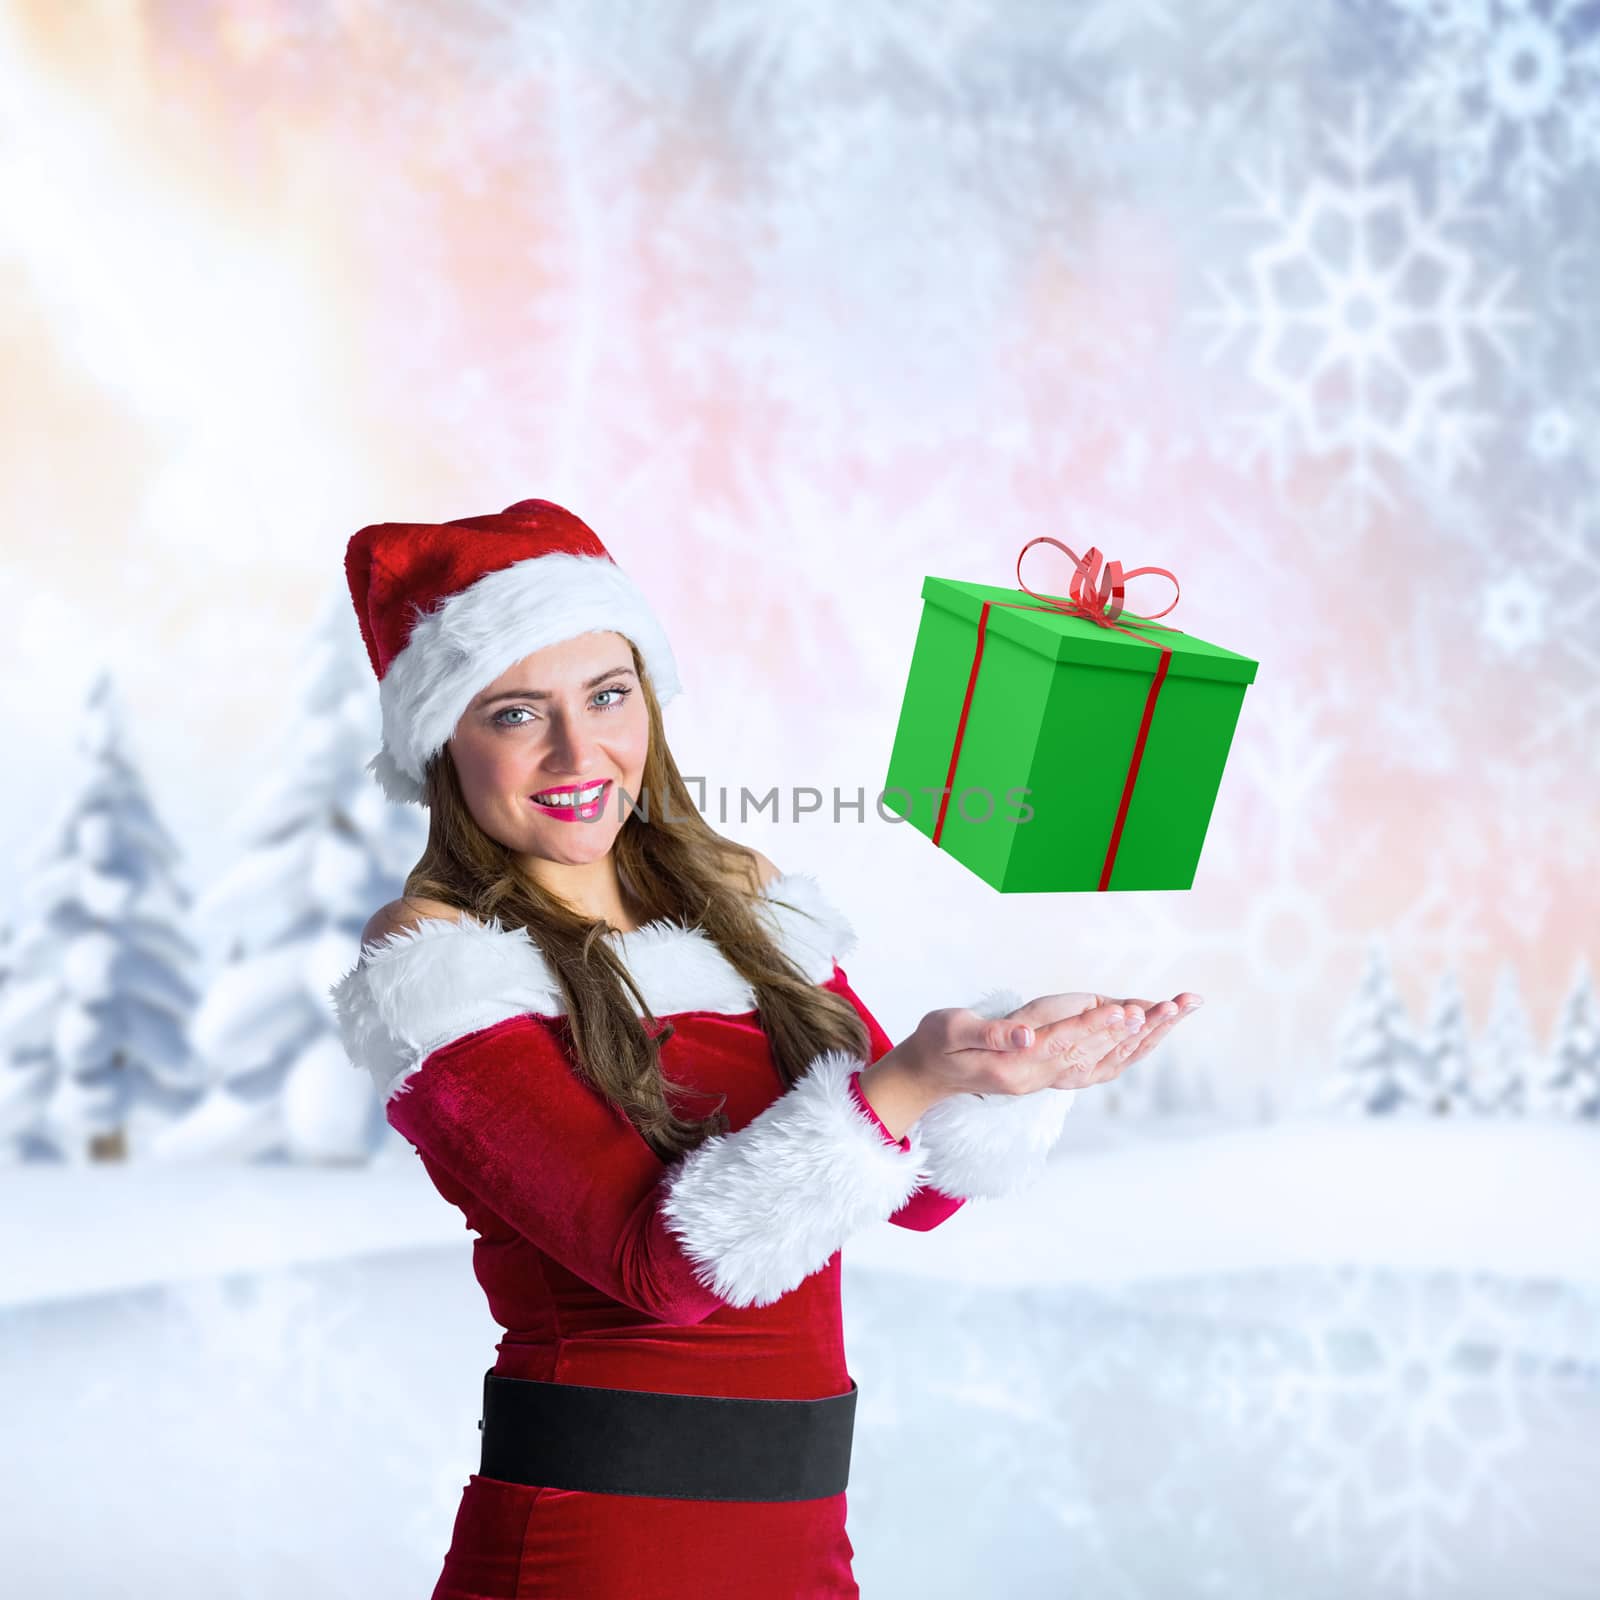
pixel 420 987
pixel 469 639
pixel 986 1146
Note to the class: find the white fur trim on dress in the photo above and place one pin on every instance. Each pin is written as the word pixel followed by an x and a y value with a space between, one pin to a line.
pixel 460 647
pixel 760 1209
pixel 422 986
pixel 985 1146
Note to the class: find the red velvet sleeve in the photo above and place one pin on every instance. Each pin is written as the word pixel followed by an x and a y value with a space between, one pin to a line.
pixel 503 1114
pixel 927 1207
pixel 740 1220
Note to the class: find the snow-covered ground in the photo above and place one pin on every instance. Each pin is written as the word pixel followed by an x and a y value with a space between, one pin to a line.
pixel 1315 1359
pixel 1154 1200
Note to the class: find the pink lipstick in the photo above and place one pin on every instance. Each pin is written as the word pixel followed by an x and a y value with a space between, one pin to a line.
pixel 571 810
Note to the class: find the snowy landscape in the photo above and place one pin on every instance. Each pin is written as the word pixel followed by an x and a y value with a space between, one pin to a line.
pixel 1344 1346
pixel 1351 1347
pixel 1314 1359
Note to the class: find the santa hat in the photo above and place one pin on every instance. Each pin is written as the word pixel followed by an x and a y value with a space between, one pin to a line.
pixel 445 608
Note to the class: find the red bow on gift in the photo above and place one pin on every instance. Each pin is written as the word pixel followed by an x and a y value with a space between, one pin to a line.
pixel 1093 586
pixel 1097 596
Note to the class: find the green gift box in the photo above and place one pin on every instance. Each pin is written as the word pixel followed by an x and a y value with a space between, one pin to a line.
pixel 1074 767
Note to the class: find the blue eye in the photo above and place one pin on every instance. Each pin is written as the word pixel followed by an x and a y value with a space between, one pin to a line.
pixel 616 689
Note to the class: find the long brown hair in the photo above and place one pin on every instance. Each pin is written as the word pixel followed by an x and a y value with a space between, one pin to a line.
pixel 674 865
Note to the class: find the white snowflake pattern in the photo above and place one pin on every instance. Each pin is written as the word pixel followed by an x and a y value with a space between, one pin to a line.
pixel 1399 1408
pixel 1326 1431
pixel 1513 613
pixel 1286 942
pixel 1361 314
pixel 1508 89
pixel 1401 1372
pixel 1551 434
pixel 1104 25
pixel 1563 571
pixel 798 47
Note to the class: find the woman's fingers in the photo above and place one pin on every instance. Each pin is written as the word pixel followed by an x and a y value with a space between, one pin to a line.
pixel 1185 1001
pixel 1044 1009
pixel 1160 1017
pixel 1141 1046
pixel 1013 1032
pixel 1081 1042
pixel 1074 1039
pixel 1150 1013
pixel 1183 1005
pixel 995 1033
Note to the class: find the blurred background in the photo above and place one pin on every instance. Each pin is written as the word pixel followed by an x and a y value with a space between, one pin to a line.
pixel 797 304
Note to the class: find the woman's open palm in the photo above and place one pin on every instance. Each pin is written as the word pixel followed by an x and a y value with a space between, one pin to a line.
pixel 1147 1022
pixel 1057 1041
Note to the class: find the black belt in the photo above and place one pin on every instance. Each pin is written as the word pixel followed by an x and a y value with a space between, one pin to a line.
pixel 675 1446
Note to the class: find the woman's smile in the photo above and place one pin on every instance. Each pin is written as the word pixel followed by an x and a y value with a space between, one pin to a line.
pixel 572 803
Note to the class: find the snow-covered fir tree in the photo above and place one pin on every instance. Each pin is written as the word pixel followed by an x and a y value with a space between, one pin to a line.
pixel 94 1054
pixel 1572 1087
pixel 1176 1084
pixel 1376 1066
pixel 1266 1103
pixel 25 1058
pixel 1443 1057
pixel 1202 1090
pixel 1505 1056
pixel 1125 1098
pixel 1169 1083
pixel 1167 1092
pixel 320 848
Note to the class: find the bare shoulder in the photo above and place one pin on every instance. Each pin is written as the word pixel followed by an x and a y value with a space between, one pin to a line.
pixel 757 871
pixel 767 869
pixel 402 914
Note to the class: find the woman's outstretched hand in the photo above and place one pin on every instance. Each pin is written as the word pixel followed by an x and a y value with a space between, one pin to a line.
pixel 1058 1041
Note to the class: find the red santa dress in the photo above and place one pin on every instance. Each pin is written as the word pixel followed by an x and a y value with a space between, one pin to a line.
pixel 715 1274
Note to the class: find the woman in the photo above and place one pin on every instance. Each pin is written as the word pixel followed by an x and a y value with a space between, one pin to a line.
pixel 623 1046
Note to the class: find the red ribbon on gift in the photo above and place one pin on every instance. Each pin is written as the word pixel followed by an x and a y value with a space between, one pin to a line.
pixel 1097 595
